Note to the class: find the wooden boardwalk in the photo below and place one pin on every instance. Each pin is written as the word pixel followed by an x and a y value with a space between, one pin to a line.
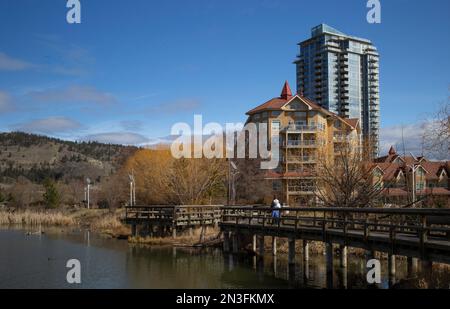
pixel 168 220
pixel 415 233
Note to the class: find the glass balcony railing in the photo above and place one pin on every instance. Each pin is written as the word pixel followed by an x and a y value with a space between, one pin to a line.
pixel 302 127
pixel 301 188
pixel 300 159
pixel 298 143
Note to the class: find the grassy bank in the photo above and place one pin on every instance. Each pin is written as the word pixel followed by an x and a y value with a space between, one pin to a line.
pixel 97 220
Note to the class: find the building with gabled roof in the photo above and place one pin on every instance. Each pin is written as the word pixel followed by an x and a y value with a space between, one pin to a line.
pixel 306 131
pixel 405 178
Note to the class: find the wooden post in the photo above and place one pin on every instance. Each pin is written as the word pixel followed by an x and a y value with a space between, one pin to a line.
pixel 423 236
pixel 329 258
pixel 133 230
pixel 274 246
pixel 261 245
pixel 291 257
pixel 226 242
pixel 305 246
pixel 343 257
pixel 412 265
pixel 426 266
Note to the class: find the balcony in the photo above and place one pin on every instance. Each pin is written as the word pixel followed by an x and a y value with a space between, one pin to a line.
pixel 300 128
pixel 301 159
pixel 302 143
pixel 302 189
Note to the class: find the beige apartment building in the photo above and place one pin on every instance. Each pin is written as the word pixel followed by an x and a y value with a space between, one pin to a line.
pixel 308 133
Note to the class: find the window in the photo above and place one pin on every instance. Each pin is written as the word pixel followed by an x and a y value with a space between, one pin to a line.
pixel 276 185
pixel 300 115
pixel 276 113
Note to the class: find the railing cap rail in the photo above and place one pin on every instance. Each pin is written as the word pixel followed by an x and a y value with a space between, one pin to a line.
pixel 403 211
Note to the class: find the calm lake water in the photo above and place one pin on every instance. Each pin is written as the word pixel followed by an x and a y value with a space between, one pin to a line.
pixel 39 261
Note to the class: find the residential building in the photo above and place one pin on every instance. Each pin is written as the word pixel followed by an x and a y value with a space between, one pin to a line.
pixel 307 133
pixel 408 178
pixel 341 73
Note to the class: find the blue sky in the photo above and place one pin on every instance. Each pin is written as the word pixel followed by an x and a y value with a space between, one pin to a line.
pixel 132 69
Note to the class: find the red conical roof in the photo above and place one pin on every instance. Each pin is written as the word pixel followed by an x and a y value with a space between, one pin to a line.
pixel 392 151
pixel 286 93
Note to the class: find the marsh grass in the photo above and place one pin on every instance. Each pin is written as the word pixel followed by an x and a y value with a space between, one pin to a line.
pixel 36 218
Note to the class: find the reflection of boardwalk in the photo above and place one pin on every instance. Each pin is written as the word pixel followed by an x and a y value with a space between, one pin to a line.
pixel 415 233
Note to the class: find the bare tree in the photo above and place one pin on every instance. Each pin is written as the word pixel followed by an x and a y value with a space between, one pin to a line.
pixel 196 181
pixel 436 134
pixel 346 179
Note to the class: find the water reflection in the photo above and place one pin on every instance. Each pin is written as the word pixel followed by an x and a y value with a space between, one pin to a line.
pixel 38 261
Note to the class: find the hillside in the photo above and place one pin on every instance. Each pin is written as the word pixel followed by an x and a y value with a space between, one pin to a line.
pixel 36 157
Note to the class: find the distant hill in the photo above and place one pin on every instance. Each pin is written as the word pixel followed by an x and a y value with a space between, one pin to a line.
pixel 36 157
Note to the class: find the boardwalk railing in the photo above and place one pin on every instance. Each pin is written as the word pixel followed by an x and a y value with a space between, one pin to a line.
pixel 418 232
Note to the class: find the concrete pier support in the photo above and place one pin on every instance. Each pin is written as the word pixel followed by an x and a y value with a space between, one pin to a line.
pixel 174 232
pixel 274 246
pixel 305 246
pixel 391 265
pixel 412 265
pixel 226 242
pixel 261 245
pixel 291 253
pixel 343 257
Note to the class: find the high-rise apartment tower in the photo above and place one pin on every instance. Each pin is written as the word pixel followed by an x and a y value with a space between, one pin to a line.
pixel 341 73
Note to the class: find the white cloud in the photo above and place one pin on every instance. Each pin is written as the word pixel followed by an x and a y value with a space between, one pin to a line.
pixel 123 138
pixel 8 63
pixel 406 138
pixel 178 106
pixel 73 94
pixel 50 125
pixel 132 125
pixel 6 103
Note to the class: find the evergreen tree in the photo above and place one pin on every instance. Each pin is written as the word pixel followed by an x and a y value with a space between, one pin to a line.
pixel 51 195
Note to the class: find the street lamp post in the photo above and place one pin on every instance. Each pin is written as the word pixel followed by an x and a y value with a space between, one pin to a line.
pixel 88 182
pixel 233 171
pixel 132 189
pixel 413 170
